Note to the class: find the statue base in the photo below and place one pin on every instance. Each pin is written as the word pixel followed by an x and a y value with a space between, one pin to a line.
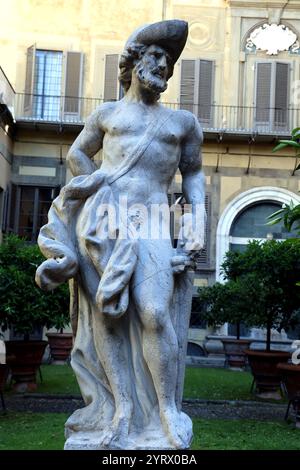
pixel 93 440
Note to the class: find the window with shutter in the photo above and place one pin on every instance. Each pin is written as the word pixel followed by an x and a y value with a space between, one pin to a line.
pixel 187 85
pixel 111 83
pixel 73 84
pixel 271 96
pixel 205 92
pixel 263 92
pixel 47 96
pixel 281 96
pixel 197 89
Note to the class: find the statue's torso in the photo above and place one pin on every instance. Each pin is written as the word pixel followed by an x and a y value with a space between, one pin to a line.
pixel 124 126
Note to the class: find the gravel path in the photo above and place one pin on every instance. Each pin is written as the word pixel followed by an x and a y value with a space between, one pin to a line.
pixel 196 408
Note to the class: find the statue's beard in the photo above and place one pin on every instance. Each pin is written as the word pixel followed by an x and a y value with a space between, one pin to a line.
pixel 151 79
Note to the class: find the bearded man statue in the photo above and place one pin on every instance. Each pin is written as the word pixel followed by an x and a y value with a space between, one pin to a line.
pixel 109 235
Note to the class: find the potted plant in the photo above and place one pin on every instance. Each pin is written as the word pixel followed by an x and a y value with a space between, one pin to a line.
pixel 275 269
pixel 222 303
pixel 24 308
pixel 290 216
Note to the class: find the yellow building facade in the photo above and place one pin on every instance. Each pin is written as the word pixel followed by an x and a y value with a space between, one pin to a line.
pixel 239 73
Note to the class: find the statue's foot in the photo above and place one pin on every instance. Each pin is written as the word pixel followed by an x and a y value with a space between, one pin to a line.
pixel 117 432
pixel 84 419
pixel 178 428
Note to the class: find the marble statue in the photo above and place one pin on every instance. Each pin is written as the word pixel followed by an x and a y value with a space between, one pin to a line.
pixel 108 233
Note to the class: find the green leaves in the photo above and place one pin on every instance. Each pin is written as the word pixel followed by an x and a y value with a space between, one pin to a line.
pixel 279 146
pixel 285 143
pixel 22 303
pixel 294 142
pixel 290 215
pixel 261 288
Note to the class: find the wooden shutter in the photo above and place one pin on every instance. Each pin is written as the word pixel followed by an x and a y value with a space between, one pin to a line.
pixel 281 96
pixel 73 85
pixel 205 92
pixel 197 88
pixel 263 93
pixel 29 80
pixel 187 85
pixel 111 83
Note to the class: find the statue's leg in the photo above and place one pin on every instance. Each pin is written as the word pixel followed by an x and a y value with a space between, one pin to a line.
pixel 153 286
pixel 90 376
pixel 110 342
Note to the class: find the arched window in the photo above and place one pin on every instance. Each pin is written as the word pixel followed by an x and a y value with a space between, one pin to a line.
pixel 251 224
pixel 237 225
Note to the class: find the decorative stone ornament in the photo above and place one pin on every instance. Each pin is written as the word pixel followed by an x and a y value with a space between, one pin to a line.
pixel 273 39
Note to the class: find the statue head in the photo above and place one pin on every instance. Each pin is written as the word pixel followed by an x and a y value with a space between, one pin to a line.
pixel 151 52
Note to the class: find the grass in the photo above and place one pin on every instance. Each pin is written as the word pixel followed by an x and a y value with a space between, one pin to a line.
pixel 44 431
pixel 244 435
pixel 58 379
pixel 32 431
pixel 37 431
pixel 217 384
pixel 214 384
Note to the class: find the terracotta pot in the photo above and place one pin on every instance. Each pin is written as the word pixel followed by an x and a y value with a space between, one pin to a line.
pixel 60 346
pixel 24 358
pixel 264 369
pixel 234 349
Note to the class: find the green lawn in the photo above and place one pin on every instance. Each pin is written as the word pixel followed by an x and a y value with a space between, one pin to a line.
pixel 32 431
pixel 44 431
pixel 244 435
pixel 215 384
pixel 58 379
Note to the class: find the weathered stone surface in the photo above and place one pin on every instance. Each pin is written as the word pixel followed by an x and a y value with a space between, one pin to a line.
pixel 109 232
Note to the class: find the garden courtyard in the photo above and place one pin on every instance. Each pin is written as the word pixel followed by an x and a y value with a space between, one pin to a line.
pixel 226 415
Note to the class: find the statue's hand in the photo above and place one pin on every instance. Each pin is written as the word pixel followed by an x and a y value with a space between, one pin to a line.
pixel 194 242
pixel 192 233
pixel 179 263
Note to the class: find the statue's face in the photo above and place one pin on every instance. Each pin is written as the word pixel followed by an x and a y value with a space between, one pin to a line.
pixel 152 69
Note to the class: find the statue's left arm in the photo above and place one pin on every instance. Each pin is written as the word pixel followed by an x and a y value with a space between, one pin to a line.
pixel 193 181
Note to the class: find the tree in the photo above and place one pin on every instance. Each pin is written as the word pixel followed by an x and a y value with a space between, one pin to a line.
pixel 23 305
pixel 272 269
pixel 230 302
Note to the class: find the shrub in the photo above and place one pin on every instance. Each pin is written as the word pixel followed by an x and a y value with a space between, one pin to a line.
pixel 22 304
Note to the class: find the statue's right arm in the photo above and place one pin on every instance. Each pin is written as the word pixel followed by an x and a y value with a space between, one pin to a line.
pixel 87 144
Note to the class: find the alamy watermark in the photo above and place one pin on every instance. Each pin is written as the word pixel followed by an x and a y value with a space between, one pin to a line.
pixel 152 222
